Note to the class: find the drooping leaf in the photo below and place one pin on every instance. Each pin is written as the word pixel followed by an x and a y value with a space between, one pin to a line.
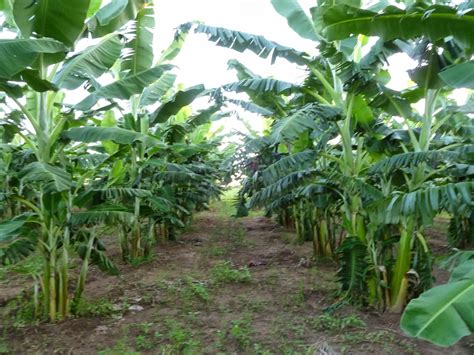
pixel 139 51
pixel 16 240
pixel 114 16
pixel 399 161
pixel 241 41
pixel 115 134
pixel 52 178
pixel 203 116
pixel 181 99
pixel 435 22
pixel 92 62
pixel 176 45
pixel 32 78
pixel 110 11
pixel 153 93
pixel 459 75
pixel 260 85
pixel 297 18
pixel 292 126
pixel 18 54
pixel 287 164
pixel 62 20
pixel 124 88
pixel 251 107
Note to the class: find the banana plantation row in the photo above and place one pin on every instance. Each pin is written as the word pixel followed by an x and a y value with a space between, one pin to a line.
pixel 358 169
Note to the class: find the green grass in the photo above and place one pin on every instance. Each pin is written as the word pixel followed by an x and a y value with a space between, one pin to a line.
pixel 97 308
pixel 195 290
pixel 241 331
pixel 226 272
pixel 328 322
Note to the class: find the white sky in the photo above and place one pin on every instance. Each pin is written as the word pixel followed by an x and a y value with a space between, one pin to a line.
pixel 202 62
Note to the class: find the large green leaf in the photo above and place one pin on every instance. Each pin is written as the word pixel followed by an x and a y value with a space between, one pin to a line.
pixel 296 17
pixel 124 88
pixel 33 79
pixel 435 22
pixel 260 85
pixel 177 102
pixel 110 11
pixel 153 93
pixel 241 41
pixel 139 51
pixel 251 107
pixel 94 6
pixel 291 127
pixel 361 110
pixel 459 75
pixel 411 159
pixel 18 54
pixel 203 116
pixel 424 203
pixel 113 16
pixel 100 134
pixel 53 178
pixel 15 239
pixel 175 47
pixel 92 62
pixel 443 314
pixel 60 19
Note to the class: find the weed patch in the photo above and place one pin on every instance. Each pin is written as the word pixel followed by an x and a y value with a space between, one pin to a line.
pixel 226 272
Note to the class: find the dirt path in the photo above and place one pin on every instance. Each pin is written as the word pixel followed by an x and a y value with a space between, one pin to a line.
pixel 227 286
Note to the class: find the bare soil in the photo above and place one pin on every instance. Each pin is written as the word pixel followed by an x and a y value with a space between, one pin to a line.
pixel 179 302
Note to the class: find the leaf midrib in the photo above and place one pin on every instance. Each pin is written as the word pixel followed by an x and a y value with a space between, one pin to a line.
pixel 447 305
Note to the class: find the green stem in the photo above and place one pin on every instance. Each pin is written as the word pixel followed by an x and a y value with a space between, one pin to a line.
pixel 81 281
pixel 398 286
pixel 320 76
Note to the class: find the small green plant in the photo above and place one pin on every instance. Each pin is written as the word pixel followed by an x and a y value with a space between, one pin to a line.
pixel 21 311
pixel 3 347
pixel 143 342
pixel 241 331
pixel 226 272
pixel 299 297
pixel 196 290
pixel 237 236
pixel 120 347
pixel 181 338
pixel 329 322
pixel 96 308
pixel 260 350
pixel 215 251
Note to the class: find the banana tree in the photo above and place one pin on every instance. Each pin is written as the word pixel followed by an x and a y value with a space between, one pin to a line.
pixel 39 66
pixel 342 78
pixel 141 118
pixel 434 76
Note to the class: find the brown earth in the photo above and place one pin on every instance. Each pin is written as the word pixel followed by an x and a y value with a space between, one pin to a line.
pixel 269 298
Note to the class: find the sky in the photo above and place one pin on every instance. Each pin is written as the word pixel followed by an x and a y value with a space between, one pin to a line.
pixel 202 62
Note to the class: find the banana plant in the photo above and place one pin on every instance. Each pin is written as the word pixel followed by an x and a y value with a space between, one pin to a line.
pixel 39 66
pixel 147 132
pixel 354 85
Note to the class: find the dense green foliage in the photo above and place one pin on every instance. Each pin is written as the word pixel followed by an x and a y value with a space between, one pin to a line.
pixel 357 168
pixel 354 166
pixel 130 155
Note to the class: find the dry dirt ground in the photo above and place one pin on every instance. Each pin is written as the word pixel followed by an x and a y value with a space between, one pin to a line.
pixel 227 286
